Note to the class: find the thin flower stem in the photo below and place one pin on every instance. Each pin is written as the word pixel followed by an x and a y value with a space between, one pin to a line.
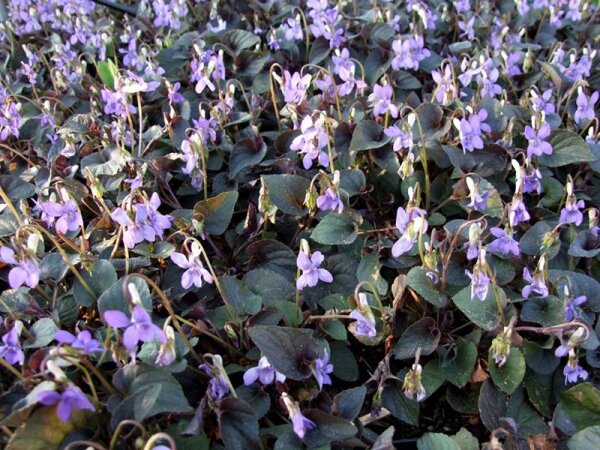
pixel 423 157
pixel 140 125
pixel 87 444
pixel 169 308
pixel 157 437
pixel 10 205
pixel 373 291
pixel 18 153
pixel 115 436
pixel 306 33
pixel 100 377
pixel 273 96
pixel 208 334
pixel 330 317
pixel 298 308
pixel 64 255
pixel 204 171
pixel 10 368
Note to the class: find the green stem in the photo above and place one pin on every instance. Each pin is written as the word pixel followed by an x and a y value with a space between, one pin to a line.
pixel 167 304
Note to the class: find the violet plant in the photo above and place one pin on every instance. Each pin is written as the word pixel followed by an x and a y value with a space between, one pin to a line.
pixel 315 224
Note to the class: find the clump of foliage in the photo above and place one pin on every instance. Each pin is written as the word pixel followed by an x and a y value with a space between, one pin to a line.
pixel 322 224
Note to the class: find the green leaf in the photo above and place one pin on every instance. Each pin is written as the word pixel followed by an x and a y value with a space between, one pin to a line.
pixel 239 297
pixel 580 284
pixel 44 430
pixel 369 270
pixel 437 441
pixel 582 404
pixel 531 242
pixel 484 313
pixel 585 439
pixel 337 229
pixel 348 403
pixel 458 370
pixel 238 424
pixel 145 392
pixel 103 275
pixel 465 440
pixel 352 181
pixel 422 334
pixel 368 135
pixel 585 245
pixel 246 152
pixel 432 121
pixel 287 192
pixel 423 285
pixel 329 428
pixel 15 188
pixel 335 329
pixel 492 406
pixel 107 71
pixel 216 212
pixel 567 148
pixel 546 311
pixel 270 285
pixel 289 350
pixel 114 296
pixel 238 40
pixel 42 332
pixel 398 404
pixel 158 249
pixel 539 391
pixel 528 421
pixel 344 363
pixel 319 50
pixel 509 376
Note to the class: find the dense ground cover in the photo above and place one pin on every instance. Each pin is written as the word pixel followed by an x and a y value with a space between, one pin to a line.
pixel 260 224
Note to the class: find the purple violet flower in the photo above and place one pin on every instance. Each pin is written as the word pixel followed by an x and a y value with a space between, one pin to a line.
pixel 10 120
pixel 571 213
pixel 518 211
pixel 470 130
pixel 195 271
pixel 445 91
pixel 573 372
pixel 72 398
pixel 542 103
pixel 83 341
pixel 26 271
pixel 585 106
pixel 264 372
pixel 300 423
pixel 409 54
pixel 537 285
pixel 11 350
pixel 537 141
pixel 311 273
pixel 381 101
pixel 312 142
pixel 478 200
pixel 403 137
pixel 138 328
pixel 294 87
pixel 65 217
pixel 364 325
pixel 330 201
pixel 321 370
pixel 571 313
pixel 504 244
pixel 480 283
pixel 293 29
pixel 218 386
